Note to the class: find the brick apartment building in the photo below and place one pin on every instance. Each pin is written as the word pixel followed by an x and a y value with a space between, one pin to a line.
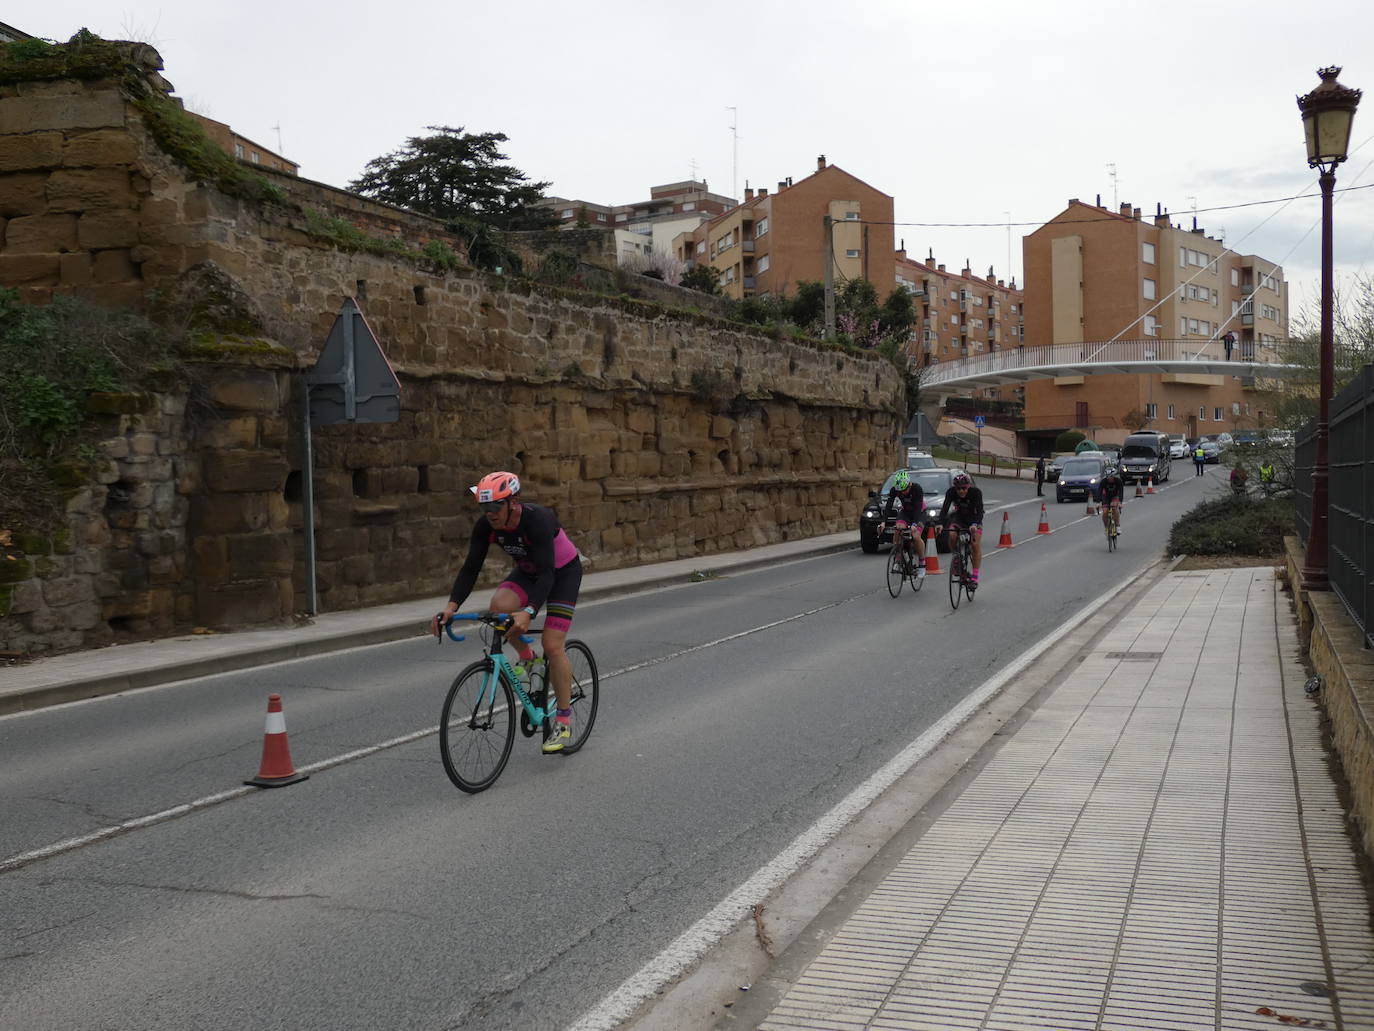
pixel 1093 274
pixel 243 148
pixel 960 315
pixel 772 241
pixel 649 225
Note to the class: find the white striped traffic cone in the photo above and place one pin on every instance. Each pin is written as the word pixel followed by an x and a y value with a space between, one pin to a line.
pixel 276 770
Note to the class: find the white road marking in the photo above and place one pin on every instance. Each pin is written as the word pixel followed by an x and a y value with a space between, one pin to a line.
pixel 104 833
pixel 703 935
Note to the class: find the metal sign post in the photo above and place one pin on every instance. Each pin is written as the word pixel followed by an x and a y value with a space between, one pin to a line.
pixel 351 382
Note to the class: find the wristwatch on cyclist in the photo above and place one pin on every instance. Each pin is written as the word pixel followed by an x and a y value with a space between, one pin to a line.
pixel 530 610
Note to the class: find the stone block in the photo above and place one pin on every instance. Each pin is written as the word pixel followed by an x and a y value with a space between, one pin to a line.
pixel 113 267
pixel 98 230
pixel 261 556
pixel 244 470
pixel 101 147
pixel 41 234
pixel 239 431
pixel 67 591
pixel 236 513
pixel 245 390
pixel 26 114
pixel 240 604
pixel 90 189
pixel 33 151
pixel 75 269
pixel 29 269
pixel 210 557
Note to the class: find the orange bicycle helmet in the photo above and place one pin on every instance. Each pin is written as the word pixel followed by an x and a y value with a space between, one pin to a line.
pixel 498 486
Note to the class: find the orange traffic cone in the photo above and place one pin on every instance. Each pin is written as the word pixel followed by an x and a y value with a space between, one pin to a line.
pixel 1150 485
pixel 1044 526
pixel 1138 492
pixel 276 770
pixel 932 552
pixel 1004 541
pixel 1091 509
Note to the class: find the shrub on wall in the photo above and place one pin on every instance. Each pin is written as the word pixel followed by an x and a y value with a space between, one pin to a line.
pixel 1234 525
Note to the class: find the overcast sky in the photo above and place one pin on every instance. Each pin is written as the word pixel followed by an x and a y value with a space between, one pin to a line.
pixel 980 113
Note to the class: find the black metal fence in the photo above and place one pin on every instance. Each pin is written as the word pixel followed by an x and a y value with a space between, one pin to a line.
pixel 1350 514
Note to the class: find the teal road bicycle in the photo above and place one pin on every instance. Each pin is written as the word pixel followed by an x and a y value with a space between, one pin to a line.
pixel 477 724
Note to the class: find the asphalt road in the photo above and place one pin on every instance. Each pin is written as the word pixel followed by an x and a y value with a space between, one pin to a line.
pixel 735 712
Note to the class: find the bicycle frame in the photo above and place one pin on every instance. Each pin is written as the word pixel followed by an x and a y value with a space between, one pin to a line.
pixel 500 667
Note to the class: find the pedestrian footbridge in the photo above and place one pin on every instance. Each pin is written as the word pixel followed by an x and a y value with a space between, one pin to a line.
pixel 1141 357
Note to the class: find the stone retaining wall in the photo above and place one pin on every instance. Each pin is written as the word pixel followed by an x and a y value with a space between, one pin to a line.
pixel 1336 651
pixel 655 433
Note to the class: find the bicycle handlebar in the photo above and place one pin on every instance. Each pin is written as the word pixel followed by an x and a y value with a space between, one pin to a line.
pixel 497 620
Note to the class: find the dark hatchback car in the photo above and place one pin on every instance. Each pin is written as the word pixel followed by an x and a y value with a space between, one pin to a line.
pixel 1079 477
pixel 934 483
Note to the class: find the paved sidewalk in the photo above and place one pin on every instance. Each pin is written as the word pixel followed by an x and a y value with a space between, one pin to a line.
pixel 102 671
pixel 1158 846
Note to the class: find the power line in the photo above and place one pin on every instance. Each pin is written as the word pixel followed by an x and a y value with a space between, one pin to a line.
pixel 1109 217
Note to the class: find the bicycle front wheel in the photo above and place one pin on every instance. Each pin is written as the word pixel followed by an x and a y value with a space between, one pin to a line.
pixel 586 687
pixel 913 564
pixel 477 727
pixel 895 571
pixel 956 578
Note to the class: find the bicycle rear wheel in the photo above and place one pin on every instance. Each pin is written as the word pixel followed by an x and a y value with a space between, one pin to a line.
pixel 956 577
pixel 913 563
pixel 895 571
pixel 586 689
pixel 477 727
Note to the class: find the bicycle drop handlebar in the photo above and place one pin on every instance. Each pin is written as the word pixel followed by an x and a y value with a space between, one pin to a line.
pixel 500 621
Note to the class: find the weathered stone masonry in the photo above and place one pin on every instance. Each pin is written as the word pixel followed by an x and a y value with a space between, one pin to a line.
pixel 655 434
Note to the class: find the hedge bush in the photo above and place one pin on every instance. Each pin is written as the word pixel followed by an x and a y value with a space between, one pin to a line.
pixel 1234 525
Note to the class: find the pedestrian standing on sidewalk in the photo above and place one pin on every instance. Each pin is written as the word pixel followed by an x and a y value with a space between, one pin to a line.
pixel 1199 458
pixel 1229 342
pixel 1039 476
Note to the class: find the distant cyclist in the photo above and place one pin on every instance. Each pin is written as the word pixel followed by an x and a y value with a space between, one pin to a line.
pixel 965 502
pixel 547 569
pixel 906 509
pixel 1112 492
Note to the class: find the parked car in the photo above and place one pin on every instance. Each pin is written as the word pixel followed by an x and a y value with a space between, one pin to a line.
pixel 1080 476
pixel 1211 450
pixel 1178 447
pixel 1054 464
pixel 1145 456
pixel 920 460
pixel 935 484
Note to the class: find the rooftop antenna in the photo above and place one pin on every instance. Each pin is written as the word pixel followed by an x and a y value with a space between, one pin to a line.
pixel 277 127
pixel 1008 214
pixel 694 169
pixel 734 151
pixel 1111 171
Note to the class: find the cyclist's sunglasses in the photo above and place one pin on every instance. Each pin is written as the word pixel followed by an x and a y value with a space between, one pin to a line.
pixel 961 486
pixel 492 506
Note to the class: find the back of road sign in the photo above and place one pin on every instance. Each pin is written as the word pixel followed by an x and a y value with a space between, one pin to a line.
pixel 352 381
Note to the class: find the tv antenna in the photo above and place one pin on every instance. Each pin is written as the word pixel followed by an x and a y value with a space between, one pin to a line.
pixel 277 127
pixel 1111 171
pixel 734 152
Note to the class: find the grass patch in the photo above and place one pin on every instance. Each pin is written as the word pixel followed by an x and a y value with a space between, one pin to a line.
pixel 1232 526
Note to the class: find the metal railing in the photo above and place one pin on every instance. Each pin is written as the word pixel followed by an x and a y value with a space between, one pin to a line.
pixel 1102 352
pixel 1350 496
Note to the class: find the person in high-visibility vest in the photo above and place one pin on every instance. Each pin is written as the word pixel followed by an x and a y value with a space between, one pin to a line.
pixel 1266 476
pixel 1199 459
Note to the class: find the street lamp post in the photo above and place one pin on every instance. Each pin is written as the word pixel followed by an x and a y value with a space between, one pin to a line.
pixel 1327 113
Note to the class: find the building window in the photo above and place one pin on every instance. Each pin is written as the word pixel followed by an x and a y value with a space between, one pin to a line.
pixel 238 151
pixel 566 213
pixel 622 216
pixel 762 265
pixel 1151 325
pixel 600 217
pixel 253 157
pixel 1217 414
pixel 701 246
pixel 761 228
pixel 691 205
pixel 1151 411
pixel 851 253
pixel 1235 277
pixel 1149 288
pixel 1171 412
pixel 1147 253
pixel 851 216
pixel 1202 413
pixel 1235 407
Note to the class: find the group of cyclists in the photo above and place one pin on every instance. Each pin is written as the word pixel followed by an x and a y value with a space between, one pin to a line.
pixel 962 509
pixel 905 511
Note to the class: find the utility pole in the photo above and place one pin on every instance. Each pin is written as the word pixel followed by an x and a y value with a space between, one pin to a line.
pixel 1111 171
pixel 1008 214
pixel 828 225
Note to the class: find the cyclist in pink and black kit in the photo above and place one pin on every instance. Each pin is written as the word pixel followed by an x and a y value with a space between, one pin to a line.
pixel 967 502
pixel 547 573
